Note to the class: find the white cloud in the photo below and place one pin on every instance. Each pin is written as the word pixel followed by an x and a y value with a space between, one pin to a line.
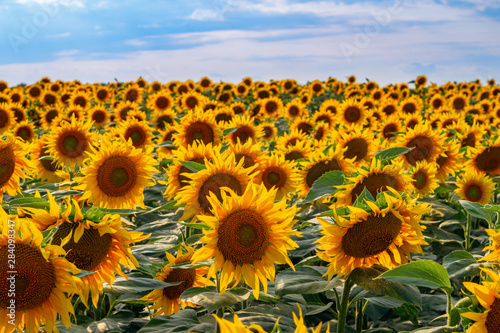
pixel 205 15
pixel 61 35
pixel 136 42
pixel 65 3
pixel 66 53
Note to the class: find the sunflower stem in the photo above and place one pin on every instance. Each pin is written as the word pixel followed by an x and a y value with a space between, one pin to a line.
pixel 448 307
pixel 359 315
pixel 344 305
pixel 467 232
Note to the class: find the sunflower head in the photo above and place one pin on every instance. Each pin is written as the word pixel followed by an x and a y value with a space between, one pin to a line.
pixel 198 126
pixel 475 186
pixel 352 112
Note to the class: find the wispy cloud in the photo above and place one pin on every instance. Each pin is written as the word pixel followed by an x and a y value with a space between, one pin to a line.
pixel 66 3
pixel 136 42
pixel 61 35
pixel 66 53
pixel 205 15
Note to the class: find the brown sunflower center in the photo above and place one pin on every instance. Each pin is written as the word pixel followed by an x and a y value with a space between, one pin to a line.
pixel 72 144
pixel 137 135
pixel 7 165
pixel 102 95
pixel 389 130
pixel 80 100
pixel 132 95
pixel 35 92
pixel 437 103
pixel 90 250
pixel 319 134
pixel 213 184
pixel 389 109
pixel 319 169
pixel 98 116
pixel 324 118
pixel 293 155
pixel 274 176
pixel 419 179
pixel 304 127
pixel 221 117
pixel 424 147
pixel 357 148
pixel 116 176
pixel 199 131
pixel 25 133
pixel 371 236
pixel 162 103
pixel 293 110
pixel 458 103
pixel 184 180
pixel 247 160
pixel 473 193
pixel 352 114
pixel 469 140
pixel 47 164
pixel 244 133
pixel 33 282
pixel 409 108
pixel 375 183
pixel 185 275
pixel 492 322
pixel 243 237
pixel 412 123
pixel 271 107
pixel 49 99
pixel 488 160
pixel 4 118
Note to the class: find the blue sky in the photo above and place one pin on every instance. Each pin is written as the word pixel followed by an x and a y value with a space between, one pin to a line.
pixel 387 41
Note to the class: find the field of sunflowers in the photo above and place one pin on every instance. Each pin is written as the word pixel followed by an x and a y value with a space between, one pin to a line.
pixel 331 206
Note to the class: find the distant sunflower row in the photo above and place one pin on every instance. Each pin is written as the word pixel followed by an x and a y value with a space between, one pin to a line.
pixel 238 160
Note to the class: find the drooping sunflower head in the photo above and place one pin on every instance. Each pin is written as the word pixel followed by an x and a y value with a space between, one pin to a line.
pixel 475 186
pixel 249 234
pixel 381 235
pixel 223 171
pixel 321 162
pixel 198 126
pixel 41 277
pixel 70 143
pixel 167 300
pixel 426 143
pixel 375 179
pixel 116 174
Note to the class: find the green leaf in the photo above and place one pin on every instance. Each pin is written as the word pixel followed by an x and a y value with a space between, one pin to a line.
pixel 32 202
pixel 193 166
pixel 391 153
pixel 304 280
pixel 183 321
pixel 137 285
pixel 325 185
pixel 461 264
pixel 64 193
pixel 228 131
pixel 46 158
pixel 439 209
pixel 198 225
pixel 166 144
pixel 366 278
pixel 423 273
pixel 476 209
pixel 364 196
pixel 117 322
pixel 212 300
pixel 492 208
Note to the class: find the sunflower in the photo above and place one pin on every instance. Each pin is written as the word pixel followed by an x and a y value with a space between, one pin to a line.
pixel 44 169
pixel 475 186
pixel 269 130
pixel 421 81
pixel 424 180
pixel 204 84
pixel 488 296
pixel 302 124
pixel 133 94
pixel 14 166
pixel 25 130
pixel 389 127
pixel 288 85
pixel 75 111
pixel 384 236
pixel 358 144
pixel 411 105
pixel 472 135
pixel 167 300
pixel 198 126
pixel 426 143
pixel 48 115
pixel 190 101
pixel 388 107
pixel 80 98
pixel 162 119
pixel 241 89
pixel 449 161
pixel 271 107
pixel 19 112
pixel 249 234
pixel 49 98
pixel 317 87
pixel 437 101
pixel 116 174
pixel 320 133
pixel 326 113
pixel 486 159
pixel 250 152
pixel 291 139
pixel 176 174
pixel 34 92
pixel 320 163
pixel 99 115
pixel 123 108
pixel 136 131
pixel 375 179
pixel 6 117
pixel 411 120
pixel 223 171
pixel 70 143
pixel 225 97
pixel 352 112
pixel 246 132
pixel 103 94
pixel 41 276
pixel 223 115
pixel 297 151
pixel 458 102
pixel 275 171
